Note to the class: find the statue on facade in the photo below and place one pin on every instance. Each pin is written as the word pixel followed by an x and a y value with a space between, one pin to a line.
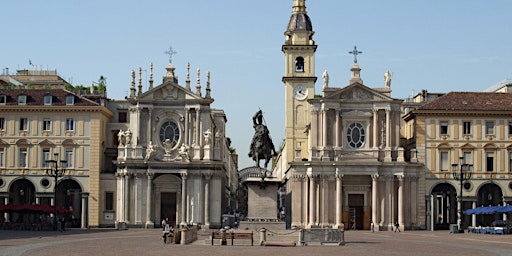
pixel 150 151
pixel 325 76
pixel 207 135
pixel 262 147
pixel 128 137
pixel 218 136
pixel 120 138
pixel 387 79
pixel 167 146
pixel 183 152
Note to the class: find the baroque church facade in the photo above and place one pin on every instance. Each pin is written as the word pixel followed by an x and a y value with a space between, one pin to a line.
pixel 342 161
pixel 173 158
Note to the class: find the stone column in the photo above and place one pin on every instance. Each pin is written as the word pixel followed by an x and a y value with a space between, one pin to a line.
pixel 207 201
pixel 337 129
pixel 339 200
pixel 473 216
pixel 305 206
pixel 183 199
pixel 150 126
pixel 387 151
pixel 320 185
pixel 137 200
pixel 197 136
pixel 375 130
pixel 312 197
pixel 324 128
pixel 187 130
pixel 388 130
pixel 397 129
pixel 85 209
pixel 375 200
pixel 314 129
pixel 149 201
pixel 400 200
pixel 414 200
pixel 126 197
pixel 120 201
pixel 388 206
pixel 297 203
pixel 197 131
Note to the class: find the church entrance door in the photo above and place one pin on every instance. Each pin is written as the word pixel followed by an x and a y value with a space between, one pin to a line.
pixel 356 207
pixel 168 207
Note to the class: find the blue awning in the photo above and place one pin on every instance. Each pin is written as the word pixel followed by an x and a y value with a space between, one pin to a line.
pixel 489 210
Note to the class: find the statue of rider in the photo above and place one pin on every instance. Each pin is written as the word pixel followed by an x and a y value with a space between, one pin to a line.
pixel 261 138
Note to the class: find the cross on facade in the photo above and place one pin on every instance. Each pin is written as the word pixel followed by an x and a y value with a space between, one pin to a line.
pixel 355 52
pixel 170 52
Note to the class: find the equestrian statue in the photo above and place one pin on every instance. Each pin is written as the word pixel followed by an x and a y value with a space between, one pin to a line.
pixel 262 147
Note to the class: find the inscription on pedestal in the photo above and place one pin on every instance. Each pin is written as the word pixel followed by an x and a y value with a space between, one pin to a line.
pixel 262 201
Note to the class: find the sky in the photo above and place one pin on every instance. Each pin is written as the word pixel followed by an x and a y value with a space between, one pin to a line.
pixel 437 45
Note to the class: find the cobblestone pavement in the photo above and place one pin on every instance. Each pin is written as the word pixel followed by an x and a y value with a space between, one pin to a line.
pixel 148 242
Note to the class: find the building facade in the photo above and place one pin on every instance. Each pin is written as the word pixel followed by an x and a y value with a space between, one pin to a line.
pixel 41 121
pixel 474 126
pixel 342 160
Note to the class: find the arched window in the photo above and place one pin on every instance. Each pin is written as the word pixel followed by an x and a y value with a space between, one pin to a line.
pixel 299 64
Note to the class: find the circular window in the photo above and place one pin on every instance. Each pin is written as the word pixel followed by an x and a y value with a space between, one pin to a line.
pixel 356 135
pixel 170 131
pixel 45 183
pixel 2 182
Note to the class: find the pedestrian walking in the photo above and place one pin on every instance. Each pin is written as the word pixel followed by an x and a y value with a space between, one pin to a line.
pixel 372 226
pixel 397 226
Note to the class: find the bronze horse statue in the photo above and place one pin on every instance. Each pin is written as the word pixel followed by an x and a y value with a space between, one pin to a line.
pixel 262 147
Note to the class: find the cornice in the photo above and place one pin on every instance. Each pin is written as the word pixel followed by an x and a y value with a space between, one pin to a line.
pixel 299 79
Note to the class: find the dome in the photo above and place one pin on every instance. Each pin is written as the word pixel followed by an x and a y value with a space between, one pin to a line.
pixel 300 22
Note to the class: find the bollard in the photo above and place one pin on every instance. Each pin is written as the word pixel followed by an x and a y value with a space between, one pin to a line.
pixel 223 232
pixel 263 236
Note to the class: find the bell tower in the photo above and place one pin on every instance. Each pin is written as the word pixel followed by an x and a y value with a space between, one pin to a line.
pixel 299 80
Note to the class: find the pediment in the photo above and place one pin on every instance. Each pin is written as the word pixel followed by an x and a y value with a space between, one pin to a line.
pixel 168 91
pixel 358 92
pixel 46 143
pixel 68 142
pixel 490 146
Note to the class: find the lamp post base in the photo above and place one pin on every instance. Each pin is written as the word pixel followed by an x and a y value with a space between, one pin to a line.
pixel 454 229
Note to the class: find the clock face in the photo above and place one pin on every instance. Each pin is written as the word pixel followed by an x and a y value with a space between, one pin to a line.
pixel 300 92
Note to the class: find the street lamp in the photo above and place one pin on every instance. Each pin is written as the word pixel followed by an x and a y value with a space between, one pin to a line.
pixel 461 172
pixel 55 170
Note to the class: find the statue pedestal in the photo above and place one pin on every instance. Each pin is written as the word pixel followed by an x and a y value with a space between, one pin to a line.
pixel 262 205
pixel 196 153
pixel 207 153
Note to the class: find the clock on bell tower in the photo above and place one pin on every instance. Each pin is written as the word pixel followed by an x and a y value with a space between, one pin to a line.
pixel 299 80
